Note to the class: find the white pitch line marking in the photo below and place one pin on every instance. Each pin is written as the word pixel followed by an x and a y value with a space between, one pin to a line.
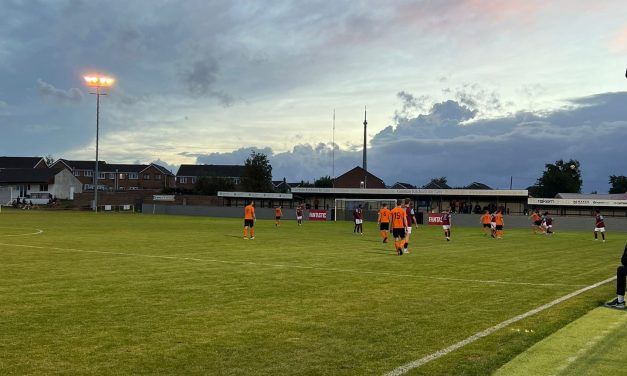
pixel 422 361
pixel 300 267
pixel 39 231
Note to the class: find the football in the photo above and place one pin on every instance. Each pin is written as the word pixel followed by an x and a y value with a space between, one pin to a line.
pixel 572 167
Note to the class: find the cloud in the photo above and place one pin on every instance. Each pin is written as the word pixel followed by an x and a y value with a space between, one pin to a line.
pixel 70 96
pixel 618 44
pixel 449 141
pixel 200 80
pixel 4 108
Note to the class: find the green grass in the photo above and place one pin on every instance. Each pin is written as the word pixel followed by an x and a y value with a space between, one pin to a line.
pixel 142 294
pixel 592 345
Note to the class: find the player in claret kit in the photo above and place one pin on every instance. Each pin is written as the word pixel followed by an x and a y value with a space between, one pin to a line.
pixel 299 215
pixel 547 223
pixel 446 224
pixel 411 219
pixel 599 225
pixel 358 216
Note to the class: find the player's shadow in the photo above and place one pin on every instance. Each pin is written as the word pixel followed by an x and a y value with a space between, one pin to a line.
pixel 382 252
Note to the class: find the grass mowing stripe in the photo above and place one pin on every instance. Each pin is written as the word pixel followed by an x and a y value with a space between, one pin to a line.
pixel 591 345
pixel 299 267
pixel 417 363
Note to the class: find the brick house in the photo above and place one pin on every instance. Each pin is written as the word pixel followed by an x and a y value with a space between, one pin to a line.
pixel 119 177
pixel 188 174
pixel 358 178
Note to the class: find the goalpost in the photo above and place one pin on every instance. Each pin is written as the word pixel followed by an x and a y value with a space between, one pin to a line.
pixel 370 206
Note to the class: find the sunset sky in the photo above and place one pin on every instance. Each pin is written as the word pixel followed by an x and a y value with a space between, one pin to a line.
pixel 473 90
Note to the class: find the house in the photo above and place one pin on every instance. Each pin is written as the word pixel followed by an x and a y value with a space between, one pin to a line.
pixel 358 178
pixel 436 185
pixel 119 177
pixel 37 184
pixel 188 174
pixel 476 185
pixel 22 162
pixel 284 186
pixel 134 177
pixel 399 185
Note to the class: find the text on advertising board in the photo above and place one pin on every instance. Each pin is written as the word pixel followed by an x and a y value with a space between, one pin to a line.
pixel 317 215
pixel 435 219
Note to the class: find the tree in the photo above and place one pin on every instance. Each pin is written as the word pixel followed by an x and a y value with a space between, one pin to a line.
pixel 324 182
pixel 257 173
pixel 561 177
pixel 437 183
pixel 210 185
pixel 49 159
pixel 619 184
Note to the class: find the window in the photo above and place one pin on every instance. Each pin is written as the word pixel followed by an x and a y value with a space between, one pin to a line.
pixel 43 187
pixel 102 175
pixel 77 173
pixel 183 180
pixel 112 175
pixel 133 175
pixel 133 188
pixel 146 176
pixel 122 177
pixel 88 173
pixel 157 177
pixel 193 180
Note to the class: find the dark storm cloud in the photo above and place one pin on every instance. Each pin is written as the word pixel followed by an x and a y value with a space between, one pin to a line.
pixel 200 80
pixel 443 142
pixel 71 96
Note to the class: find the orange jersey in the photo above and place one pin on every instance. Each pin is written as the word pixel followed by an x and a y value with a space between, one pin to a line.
pixel 278 212
pixel 535 217
pixel 498 219
pixel 384 215
pixel 486 219
pixel 249 212
pixel 399 217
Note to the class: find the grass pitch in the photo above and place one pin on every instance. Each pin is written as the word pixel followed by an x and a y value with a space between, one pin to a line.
pixel 142 294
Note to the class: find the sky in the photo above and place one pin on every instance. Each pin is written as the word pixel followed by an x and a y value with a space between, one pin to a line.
pixel 472 90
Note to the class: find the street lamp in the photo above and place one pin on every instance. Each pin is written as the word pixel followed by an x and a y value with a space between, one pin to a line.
pixel 97 81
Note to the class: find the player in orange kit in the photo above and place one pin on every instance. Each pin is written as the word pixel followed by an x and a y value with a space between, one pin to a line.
pixel 384 221
pixel 277 215
pixel 249 220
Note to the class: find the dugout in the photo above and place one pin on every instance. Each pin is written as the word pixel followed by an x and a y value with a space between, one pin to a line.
pixel 262 200
pixel 425 200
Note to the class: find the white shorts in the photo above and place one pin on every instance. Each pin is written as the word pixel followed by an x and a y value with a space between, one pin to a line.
pixel 359 221
pixel 408 230
pixel 299 217
pixel 493 225
pixel 599 229
pixel 446 227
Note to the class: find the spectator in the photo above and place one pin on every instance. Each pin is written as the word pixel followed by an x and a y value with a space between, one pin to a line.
pixel 621 273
